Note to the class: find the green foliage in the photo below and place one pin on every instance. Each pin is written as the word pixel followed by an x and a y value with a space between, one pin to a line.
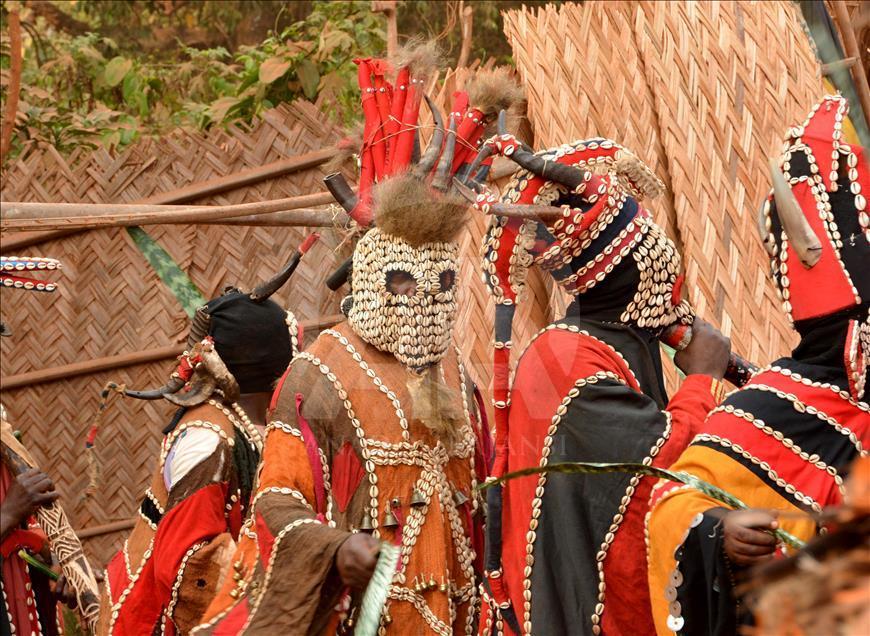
pixel 107 72
pixel 83 90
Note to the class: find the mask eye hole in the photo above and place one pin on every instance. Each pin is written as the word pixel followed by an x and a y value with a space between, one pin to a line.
pixel 401 283
pixel 446 279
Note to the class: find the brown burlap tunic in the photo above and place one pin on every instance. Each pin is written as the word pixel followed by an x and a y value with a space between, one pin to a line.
pixel 343 451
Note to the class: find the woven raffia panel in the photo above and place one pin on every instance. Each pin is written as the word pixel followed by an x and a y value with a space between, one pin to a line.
pixel 112 303
pixel 703 92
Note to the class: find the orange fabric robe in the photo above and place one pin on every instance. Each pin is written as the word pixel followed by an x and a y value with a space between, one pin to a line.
pixel 343 450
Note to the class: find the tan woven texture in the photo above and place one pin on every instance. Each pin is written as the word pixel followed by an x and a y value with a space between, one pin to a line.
pixel 111 302
pixel 703 92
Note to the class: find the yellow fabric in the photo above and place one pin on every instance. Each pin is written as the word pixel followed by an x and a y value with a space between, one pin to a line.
pixel 670 518
pixel 849 133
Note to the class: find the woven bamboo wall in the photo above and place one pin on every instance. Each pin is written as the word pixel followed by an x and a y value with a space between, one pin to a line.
pixel 702 91
pixel 111 302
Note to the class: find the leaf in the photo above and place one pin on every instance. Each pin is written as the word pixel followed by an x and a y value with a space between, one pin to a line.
pixel 272 69
pixel 116 69
pixel 309 76
pixel 219 108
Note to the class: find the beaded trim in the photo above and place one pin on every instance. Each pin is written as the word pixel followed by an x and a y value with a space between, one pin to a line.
pixel 785 441
pixel 383 388
pixel 802 407
pixel 782 483
pixel 116 607
pixel 358 429
pixel 797 377
pixel 595 619
pixel 176 586
pixel 242 424
pixel 537 502
pixel 284 428
pixel 269 567
pixel 174 435
pixel 281 490
pixel 583 332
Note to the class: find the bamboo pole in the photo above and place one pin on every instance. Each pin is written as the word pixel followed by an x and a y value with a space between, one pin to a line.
pixel 859 74
pixel 111 363
pixel 193 191
pixel 17 216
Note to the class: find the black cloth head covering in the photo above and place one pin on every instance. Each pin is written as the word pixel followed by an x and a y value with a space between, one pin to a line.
pixel 251 338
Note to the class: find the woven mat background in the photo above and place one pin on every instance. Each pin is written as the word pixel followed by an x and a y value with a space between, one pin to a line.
pixel 111 302
pixel 703 92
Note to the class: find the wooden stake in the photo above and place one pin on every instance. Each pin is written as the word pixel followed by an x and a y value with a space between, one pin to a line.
pixel 194 191
pixel 388 8
pixel 466 21
pixel 29 216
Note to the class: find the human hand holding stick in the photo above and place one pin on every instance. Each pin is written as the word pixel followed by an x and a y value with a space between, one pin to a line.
pixel 702 342
pixel 62 540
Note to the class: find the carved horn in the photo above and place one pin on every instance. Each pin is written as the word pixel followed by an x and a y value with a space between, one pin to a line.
pixel 427 161
pixel 264 290
pixel 544 213
pixel 341 191
pixel 795 225
pixel 173 386
pixel 198 330
pixel 441 180
pixel 568 176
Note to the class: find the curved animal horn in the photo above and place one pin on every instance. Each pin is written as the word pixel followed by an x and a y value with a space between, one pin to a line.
pixel 568 176
pixel 795 225
pixel 441 180
pixel 199 327
pixel 544 213
pixel 340 276
pixel 173 386
pixel 263 291
pixel 427 161
pixel 341 191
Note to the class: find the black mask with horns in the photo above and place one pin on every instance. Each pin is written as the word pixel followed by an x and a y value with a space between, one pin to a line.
pixel 238 343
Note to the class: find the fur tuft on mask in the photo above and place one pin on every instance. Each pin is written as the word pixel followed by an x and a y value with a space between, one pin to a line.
pixel 494 90
pixel 423 57
pixel 436 405
pixel 409 209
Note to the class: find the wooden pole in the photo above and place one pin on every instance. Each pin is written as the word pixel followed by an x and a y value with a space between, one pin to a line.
pixel 304 217
pixel 193 191
pixel 106 528
pixel 18 216
pixel 388 8
pixel 466 22
pixel 859 74
pixel 15 60
pixel 110 363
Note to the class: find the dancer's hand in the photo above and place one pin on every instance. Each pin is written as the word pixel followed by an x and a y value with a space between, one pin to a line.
pixel 356 560
pixel 746 540
pixel 31 489
pixel 707 352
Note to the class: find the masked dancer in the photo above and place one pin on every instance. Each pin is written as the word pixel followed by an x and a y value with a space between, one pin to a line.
pixel 784 442
pixel 565 552
pixel 192 514
pixel 377 434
